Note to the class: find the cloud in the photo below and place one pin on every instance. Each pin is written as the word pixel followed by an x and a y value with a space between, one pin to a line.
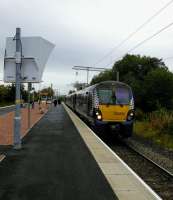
pixel 85 30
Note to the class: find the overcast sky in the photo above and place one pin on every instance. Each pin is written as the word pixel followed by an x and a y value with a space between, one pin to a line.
pixel 85 30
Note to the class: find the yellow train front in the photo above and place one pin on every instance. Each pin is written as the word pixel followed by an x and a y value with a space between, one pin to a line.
pixel 108 106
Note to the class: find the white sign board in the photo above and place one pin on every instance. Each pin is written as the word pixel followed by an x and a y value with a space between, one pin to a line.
pixel 35 53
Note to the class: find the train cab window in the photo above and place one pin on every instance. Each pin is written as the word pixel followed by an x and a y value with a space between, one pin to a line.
pixel 122 95
pixel 106 96
pixel 119 95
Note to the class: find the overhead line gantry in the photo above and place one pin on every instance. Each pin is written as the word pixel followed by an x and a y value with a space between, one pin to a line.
pixel 88 69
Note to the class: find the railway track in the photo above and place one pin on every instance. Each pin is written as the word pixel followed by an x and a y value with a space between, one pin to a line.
pixel 158 178
pixel 150 160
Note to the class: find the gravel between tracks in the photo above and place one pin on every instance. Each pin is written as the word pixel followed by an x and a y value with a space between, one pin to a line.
pixel 155 177
pixel 163 157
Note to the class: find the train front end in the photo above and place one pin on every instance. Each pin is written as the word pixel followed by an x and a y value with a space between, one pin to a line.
pixel 114 111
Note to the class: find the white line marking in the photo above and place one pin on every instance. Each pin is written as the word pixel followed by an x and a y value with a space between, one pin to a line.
pixel 7 106
pixel 125 165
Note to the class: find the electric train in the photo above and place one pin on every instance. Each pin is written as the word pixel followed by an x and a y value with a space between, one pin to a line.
pixel 108 106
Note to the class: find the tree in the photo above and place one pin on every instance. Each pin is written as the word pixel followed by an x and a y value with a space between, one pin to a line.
pixel 103 76
pixel 7 93
pixel 135 66
pixel 133 70
pixel 48 91
pixel 158 90
pixel 71 91
pixel 79 86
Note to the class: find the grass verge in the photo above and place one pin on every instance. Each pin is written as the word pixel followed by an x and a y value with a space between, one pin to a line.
pixel 145 130
pixel 2 104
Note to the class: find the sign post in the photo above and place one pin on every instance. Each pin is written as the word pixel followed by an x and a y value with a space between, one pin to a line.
pixel 17 118
pixel 29 105
pixel 24 62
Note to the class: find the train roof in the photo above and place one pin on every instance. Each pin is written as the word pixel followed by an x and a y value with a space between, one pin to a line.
pixel 92 87
pixel 118 83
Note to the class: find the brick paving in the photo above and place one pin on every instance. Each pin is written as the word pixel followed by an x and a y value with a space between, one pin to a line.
pixel 7 123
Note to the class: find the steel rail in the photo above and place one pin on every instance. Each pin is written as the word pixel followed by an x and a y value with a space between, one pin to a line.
pixel 150 160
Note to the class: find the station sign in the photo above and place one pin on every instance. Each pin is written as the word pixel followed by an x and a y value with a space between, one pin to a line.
pixel 35 53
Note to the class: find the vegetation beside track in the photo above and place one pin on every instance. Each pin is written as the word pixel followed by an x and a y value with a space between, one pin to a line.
pixel 2 104
pixel 156 126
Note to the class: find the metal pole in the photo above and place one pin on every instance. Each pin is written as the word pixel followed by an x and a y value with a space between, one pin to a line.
pixel 51 91
pixel 117 75
pixel 33 98
pixel 17 118
pixel 87 75
pixel 29 107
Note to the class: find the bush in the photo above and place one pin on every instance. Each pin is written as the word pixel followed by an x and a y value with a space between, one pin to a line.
pixel 158 90
pixel 170 128
pixel 161 120
pixel 139 114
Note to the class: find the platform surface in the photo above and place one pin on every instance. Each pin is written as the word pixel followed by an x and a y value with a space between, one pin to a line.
pixel 54 163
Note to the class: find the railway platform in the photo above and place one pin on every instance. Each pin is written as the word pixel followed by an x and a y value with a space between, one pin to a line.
pixel 53 164
pixel 63 159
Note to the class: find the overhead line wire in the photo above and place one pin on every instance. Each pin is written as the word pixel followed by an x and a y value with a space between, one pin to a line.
pixel 147 39
pixel 133 33
pixel 168 58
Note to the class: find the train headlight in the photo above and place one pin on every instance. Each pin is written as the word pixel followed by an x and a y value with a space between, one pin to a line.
pixel 98 115
pixel 130 115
